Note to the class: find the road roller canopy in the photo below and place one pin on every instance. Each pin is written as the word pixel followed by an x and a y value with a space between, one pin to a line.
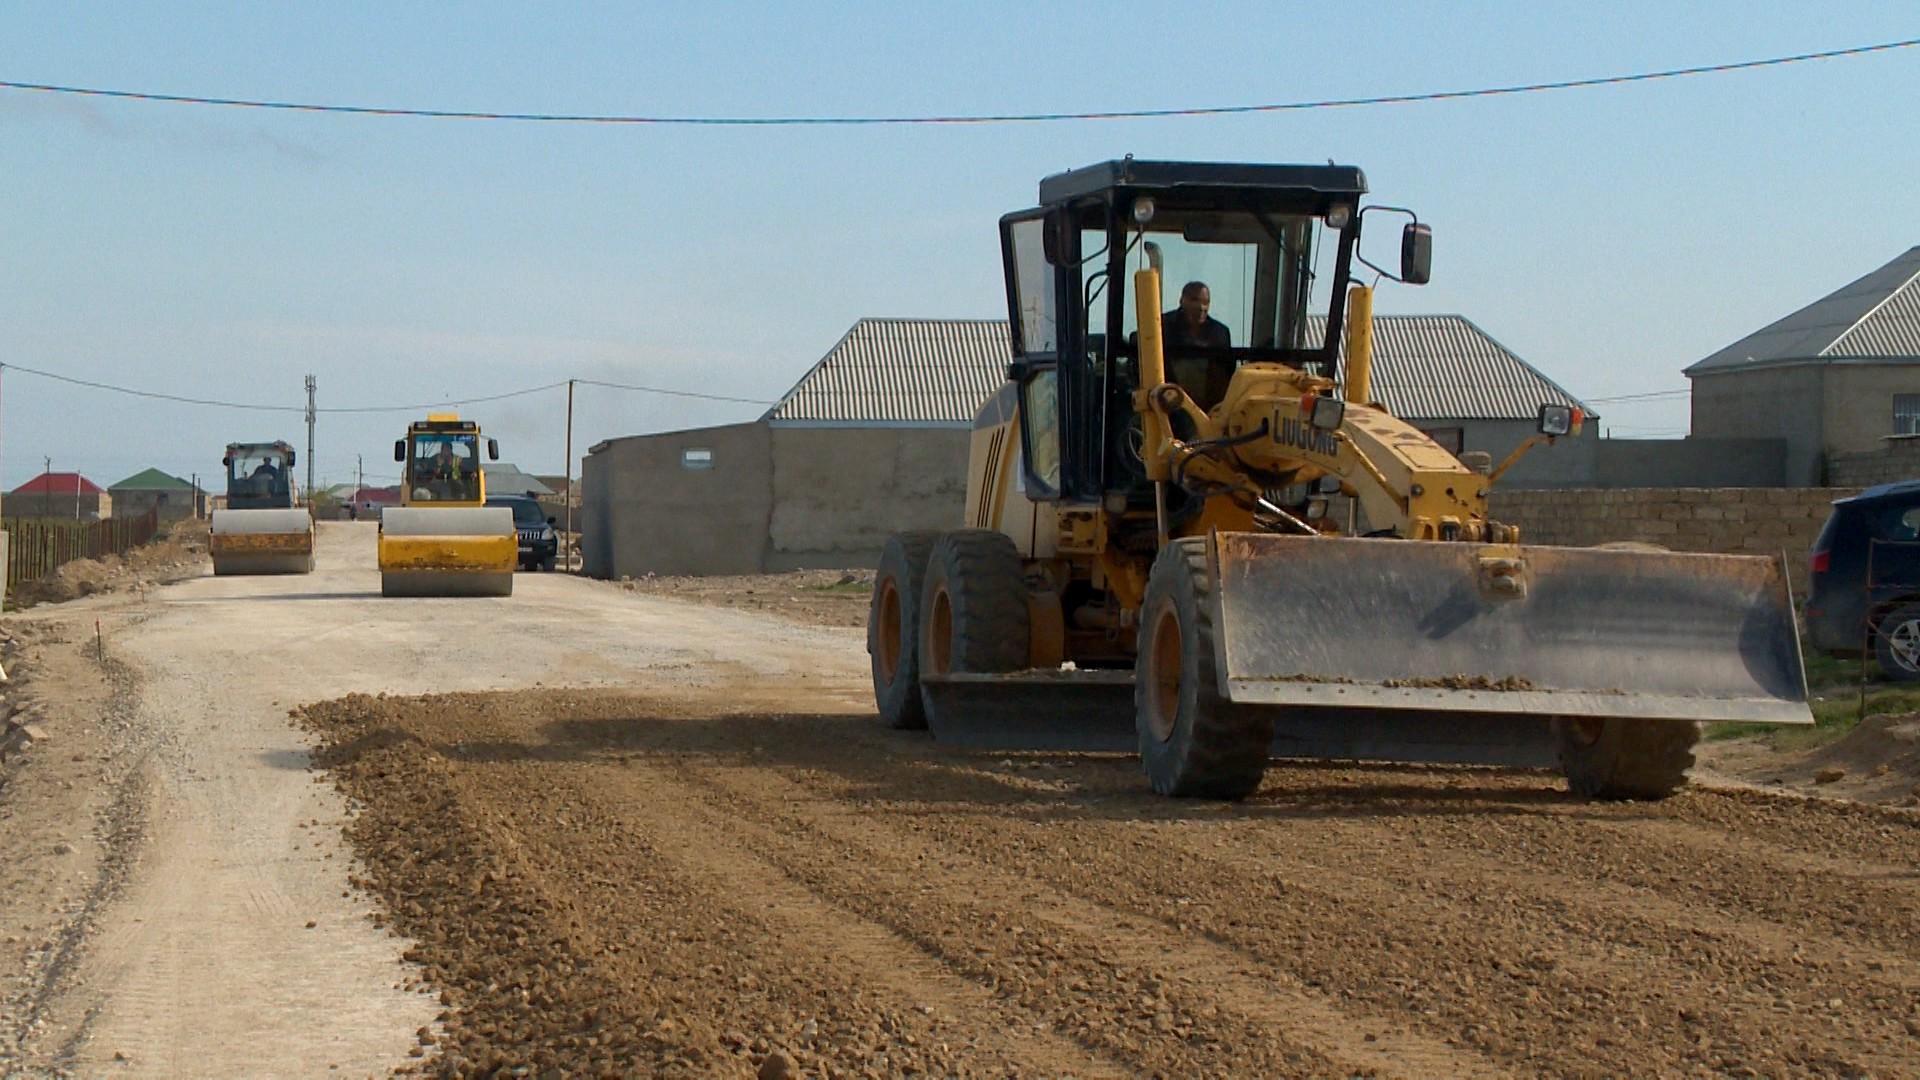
pixel 259 475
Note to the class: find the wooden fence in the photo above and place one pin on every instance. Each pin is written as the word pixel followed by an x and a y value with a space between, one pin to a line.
pixel 37 547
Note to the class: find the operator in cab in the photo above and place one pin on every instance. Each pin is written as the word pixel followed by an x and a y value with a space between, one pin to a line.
pixel 448 476
pixel 1189 327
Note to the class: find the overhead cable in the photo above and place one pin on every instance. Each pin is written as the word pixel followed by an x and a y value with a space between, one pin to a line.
pixel 959 118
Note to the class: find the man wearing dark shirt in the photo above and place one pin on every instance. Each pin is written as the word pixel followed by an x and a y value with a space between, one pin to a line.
pixel 1189 326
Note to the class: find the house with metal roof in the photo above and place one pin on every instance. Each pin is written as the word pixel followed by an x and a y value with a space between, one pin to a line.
pixel 66 495
pixel 872 439
pixel 1837 379
pixel 172 498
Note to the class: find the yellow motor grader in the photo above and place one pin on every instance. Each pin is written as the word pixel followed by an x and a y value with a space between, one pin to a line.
pixel 1193 533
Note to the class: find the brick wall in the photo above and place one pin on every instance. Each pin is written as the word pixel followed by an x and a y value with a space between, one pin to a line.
pixel 1900 460
pixel 1734 521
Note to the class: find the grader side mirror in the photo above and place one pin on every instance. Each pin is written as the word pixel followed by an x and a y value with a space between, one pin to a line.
pixel 399 449
pixel 290 459
pixel 1416 254
pixel 493 449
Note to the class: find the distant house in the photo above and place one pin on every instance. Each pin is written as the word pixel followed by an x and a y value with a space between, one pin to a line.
pixel 1838 378
pixel 65 495
pixel 506 479
pixel 150 489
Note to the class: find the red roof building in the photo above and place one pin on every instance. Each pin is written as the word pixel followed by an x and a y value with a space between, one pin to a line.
pixel 59 483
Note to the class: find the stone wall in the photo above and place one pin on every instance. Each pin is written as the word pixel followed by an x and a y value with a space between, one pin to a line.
pixel 1898 460
pixel 1734 521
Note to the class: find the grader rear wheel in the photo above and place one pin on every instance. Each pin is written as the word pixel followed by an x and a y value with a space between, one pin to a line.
pixel 1193 742
pixel 973 609
pixel 893 628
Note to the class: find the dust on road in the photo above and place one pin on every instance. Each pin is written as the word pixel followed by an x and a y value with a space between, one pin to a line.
pixel 690 882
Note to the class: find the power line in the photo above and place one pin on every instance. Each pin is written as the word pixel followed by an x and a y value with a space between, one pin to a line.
pixel 261 407
pixel 1650 396
pixel 961 118
pixel 672 393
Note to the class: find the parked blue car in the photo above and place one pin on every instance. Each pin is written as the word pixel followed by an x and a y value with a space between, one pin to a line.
pixel 1865 591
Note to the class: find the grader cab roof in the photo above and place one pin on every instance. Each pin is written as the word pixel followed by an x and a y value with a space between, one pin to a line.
pixel 1320 185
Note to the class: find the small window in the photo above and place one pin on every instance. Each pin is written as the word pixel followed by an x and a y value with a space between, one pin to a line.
pixel 1906 414
pixel 1033 284
pixel 1040 425
pixel 1451 439
pixel 696 457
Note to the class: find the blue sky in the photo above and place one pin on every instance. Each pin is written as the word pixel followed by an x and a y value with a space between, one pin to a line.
pixel 1609 236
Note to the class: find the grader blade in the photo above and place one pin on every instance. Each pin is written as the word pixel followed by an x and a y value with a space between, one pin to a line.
pixel 1093 712
pixel 1434 629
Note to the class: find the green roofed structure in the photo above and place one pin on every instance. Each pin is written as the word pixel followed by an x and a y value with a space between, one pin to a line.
pixel 151 489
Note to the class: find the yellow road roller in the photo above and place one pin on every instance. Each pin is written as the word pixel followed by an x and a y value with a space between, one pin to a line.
pixel 443 539
pixel 263 529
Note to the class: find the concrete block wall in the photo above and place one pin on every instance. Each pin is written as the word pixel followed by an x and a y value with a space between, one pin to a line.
pixel 1898 460
pixel 1733 521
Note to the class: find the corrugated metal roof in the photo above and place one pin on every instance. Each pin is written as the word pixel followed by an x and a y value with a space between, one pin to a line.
pixel 1890 330
pixel 902 371
pixel 1443 367
pixel 938 371
pixel 1873 317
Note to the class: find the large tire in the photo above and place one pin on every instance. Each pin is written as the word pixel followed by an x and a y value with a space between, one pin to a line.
pixel 1896 643
pixel 973 607
pixel 1625 759
pixel 893 628
pixel 1193 742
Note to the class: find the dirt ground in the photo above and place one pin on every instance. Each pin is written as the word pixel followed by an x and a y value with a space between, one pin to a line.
pixel 179 553
pixel 1876 762
pixel 816 597
pixel 653 828
pixel 690 883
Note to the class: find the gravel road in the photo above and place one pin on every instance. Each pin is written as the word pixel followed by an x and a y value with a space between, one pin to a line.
pixel 680 843
pixel 235 946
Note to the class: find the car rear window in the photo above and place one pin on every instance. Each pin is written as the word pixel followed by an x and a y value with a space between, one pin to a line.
pixel 1897 522
pixel 525 512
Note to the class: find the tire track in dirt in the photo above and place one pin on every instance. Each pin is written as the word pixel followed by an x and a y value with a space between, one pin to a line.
pixel 692 856
pixel 1266 997
pixel 1606 982
pixel 718 848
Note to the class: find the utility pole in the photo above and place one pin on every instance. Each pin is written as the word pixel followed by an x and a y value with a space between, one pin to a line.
pixel 359 483
pixel 310 385
pixel 567 544
pixel 46 490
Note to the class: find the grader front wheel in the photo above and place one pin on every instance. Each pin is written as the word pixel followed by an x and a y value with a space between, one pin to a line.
pixel 1193 742
pixel 1624 758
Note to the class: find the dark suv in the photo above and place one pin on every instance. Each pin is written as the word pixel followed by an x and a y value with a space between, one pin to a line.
pixel 539 544
pixel 1865 591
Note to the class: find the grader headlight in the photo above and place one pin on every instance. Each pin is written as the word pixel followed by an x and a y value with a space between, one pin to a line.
pixel 1324 413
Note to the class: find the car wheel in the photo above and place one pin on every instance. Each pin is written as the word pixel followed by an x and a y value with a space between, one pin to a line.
pixel 1896 643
